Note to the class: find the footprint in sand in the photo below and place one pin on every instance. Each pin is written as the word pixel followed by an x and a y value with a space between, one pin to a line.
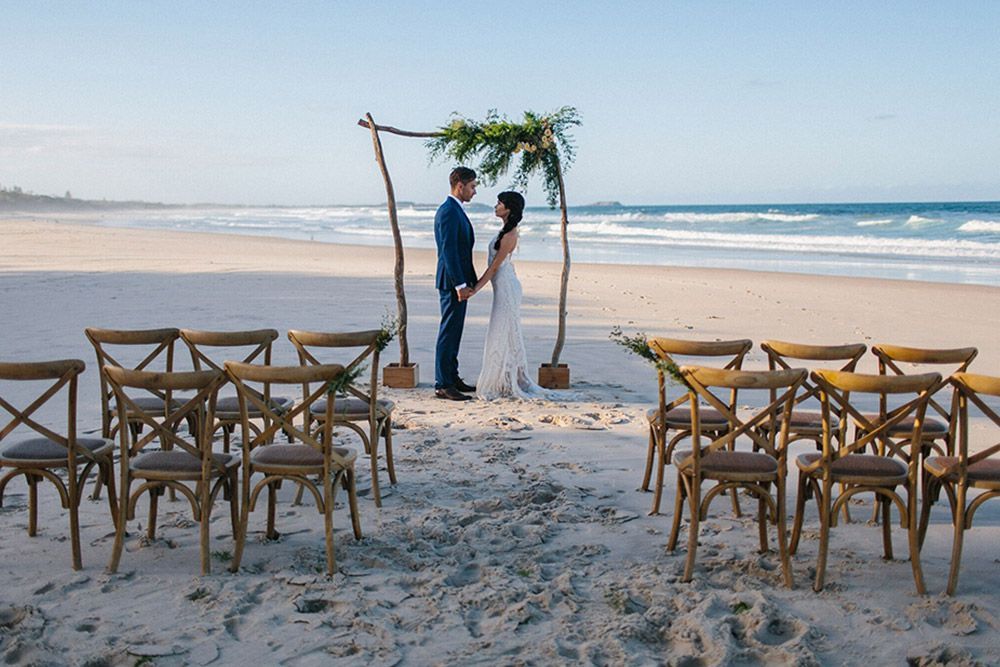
pixel 571 421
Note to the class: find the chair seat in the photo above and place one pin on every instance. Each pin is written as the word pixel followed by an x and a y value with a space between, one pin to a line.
pixel 756 463
pixel 353 408
pixel 228 407
pixel 682 417
pixel 177 461
pixel 294 456
pixel 152 403
pixel 987 470
pixel 44 450
pixel 932 427
pixel 858 465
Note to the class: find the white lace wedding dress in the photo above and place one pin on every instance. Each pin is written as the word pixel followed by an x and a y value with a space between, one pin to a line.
pixel 505 364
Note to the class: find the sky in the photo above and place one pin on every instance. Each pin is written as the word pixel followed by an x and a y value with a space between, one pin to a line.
pixel 681 102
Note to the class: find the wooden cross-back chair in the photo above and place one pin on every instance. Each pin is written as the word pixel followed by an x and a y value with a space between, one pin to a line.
pixel 808 424
pixel 358 405
pixel 964 470
pixel 158 346
pixel 674 415
pixel 314 457
pixel 895 465
pixel 252 346
pixel 193 460
pixel 39 454
pixel 731 470
pixel 939 424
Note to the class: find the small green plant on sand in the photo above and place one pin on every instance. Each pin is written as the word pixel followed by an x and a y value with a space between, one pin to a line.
pixel 222 555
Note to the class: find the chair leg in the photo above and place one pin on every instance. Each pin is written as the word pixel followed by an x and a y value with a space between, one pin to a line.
pixel 232 488
pixel 331 564
pixel 800 510
pixel 956 545
pixel 925 509
pixel 373 456
pixel 762 523
pixel 886 526
pixel 205 514
pixel 240 534
pixel 74 518
pixel 272 501
pixel 352 497
pixel 387 434
pixel 116 550
pixel 678 511
pixel 650 454
pixel 154 496
pixel 824 534
pixel 694 502
pixel 786 561
pixel 32 504
pixel 661 465
pixel 107 471
pixel 914 539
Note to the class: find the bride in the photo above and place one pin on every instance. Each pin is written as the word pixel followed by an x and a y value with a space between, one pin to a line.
pixel 505 365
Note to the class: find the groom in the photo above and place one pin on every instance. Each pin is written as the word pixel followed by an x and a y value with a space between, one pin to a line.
pixel 455 279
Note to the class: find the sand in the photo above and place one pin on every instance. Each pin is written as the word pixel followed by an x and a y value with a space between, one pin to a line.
pixel 516 533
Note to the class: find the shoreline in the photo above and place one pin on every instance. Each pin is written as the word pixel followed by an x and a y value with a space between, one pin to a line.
pixel 422 255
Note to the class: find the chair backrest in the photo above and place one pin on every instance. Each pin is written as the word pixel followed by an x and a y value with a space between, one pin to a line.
pixel 125 383
pixel 61 373
pixel 702 381
pixel 258 342
pixel 891 356
pixel 245 376
pixel 309 343
pixel 156 344
pixel 727 354
pixel 780 353
pixel 835 389
pixel 970 388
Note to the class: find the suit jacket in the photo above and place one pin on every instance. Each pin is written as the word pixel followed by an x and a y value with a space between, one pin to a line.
pixel 454 237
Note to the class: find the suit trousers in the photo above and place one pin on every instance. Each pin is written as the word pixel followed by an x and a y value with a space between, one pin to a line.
pixel 449 339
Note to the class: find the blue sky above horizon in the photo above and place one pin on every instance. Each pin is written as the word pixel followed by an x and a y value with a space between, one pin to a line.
pixel 682 103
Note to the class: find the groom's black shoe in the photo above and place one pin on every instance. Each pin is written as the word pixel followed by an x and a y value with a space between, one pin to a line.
pixel 451 394
pixel 465 388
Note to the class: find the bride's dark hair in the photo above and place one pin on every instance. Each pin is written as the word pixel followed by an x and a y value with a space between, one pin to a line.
pixel 515 204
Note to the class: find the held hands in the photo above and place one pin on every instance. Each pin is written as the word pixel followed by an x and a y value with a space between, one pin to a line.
pixel 465 293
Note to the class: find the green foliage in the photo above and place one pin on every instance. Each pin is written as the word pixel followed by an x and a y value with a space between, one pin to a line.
pixel 344 380
pixel 389 330
pixel 538 144
pixel 639 346
pixel 740 607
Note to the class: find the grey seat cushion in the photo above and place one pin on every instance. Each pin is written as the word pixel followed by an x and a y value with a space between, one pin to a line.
pixel 682 416
pixel 294 455
pixel 733 462
pixel 858 465
pixel 987 470
pixel 150 403
pixel 353 408
pixel 230 406
pixel 932 426
pixel 178 461
pixel 42 449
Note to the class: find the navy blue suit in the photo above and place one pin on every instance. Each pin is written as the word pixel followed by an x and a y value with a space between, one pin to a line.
pixel 454 237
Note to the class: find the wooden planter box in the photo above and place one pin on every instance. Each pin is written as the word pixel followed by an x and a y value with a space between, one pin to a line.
pixel 401 377
pixel 553 377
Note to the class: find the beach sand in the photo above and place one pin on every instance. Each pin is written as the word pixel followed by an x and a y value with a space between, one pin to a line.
pixel 516 533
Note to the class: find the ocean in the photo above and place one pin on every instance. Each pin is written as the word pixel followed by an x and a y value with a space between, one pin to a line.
pixel 956 242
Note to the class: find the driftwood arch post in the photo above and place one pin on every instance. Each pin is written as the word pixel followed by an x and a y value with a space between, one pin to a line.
pixel 403 374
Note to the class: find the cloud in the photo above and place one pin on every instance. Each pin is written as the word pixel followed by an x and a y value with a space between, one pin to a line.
pixel 884 116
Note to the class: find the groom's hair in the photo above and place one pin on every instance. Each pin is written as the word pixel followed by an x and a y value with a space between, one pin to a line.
pixel 461 175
